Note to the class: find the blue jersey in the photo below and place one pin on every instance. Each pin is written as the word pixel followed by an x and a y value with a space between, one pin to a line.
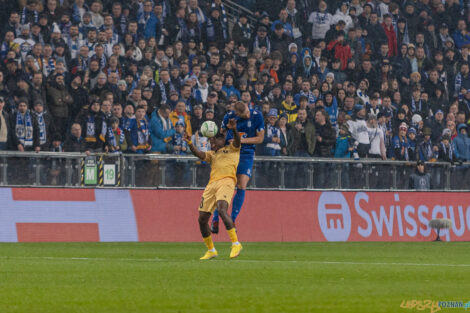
pixel 246 127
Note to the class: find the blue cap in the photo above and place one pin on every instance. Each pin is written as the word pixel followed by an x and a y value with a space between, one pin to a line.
pixel 180 123
pixel 412 130
pixel 272 112
pixel 439 111
pixel 358 107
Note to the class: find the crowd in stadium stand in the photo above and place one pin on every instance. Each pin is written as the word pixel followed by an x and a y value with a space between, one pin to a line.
pixel 381 79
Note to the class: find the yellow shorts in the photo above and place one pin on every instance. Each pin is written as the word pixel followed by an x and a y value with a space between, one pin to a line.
pixel 222 189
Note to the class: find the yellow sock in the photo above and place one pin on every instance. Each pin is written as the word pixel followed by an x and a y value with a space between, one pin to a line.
pixel 233 235
pixel 209 243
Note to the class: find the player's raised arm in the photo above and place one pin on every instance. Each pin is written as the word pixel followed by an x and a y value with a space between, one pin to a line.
pixel 232 125
pixel 194 150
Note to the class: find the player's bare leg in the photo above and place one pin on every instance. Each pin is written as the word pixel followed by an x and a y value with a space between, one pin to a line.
pixel 222 207
pixel 206 235
pixel 242 182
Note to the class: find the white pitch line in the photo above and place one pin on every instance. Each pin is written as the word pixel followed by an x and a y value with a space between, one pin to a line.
pixel 238 260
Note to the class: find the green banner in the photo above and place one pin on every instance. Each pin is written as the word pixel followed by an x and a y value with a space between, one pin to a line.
pixel 90 171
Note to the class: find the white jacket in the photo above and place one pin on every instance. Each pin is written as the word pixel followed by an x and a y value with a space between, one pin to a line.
pixel 321 23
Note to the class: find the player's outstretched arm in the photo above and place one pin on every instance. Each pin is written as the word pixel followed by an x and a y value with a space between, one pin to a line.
pixel 194 150
pixel 255 140
pixel 232 125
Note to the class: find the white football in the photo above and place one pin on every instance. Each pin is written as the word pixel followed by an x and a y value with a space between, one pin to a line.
pixel 209 129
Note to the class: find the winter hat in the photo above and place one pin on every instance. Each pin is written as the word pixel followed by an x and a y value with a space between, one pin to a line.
pixel 293 45
pixel 179 123
pixel 358 107
pixel 446 131
pixel 272 112
pixel 412 130
pixel 416 119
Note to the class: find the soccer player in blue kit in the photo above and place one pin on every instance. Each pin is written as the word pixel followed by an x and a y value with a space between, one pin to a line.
pixel 250 125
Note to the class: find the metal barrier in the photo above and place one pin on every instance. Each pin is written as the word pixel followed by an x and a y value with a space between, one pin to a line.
pixel 170 171
pixel 234 10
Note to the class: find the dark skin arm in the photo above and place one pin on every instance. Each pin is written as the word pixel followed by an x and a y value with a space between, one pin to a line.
pixel 201 155
pixel 232 125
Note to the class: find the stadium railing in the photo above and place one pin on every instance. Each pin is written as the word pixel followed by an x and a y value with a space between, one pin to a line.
pixel 169 171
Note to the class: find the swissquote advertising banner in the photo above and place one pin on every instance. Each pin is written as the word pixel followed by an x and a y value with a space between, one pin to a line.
pixel 36 214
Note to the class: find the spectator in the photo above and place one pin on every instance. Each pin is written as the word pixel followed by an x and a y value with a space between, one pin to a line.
pixel 74 141
pixel 93 125
pixel 25 129
pixel 289 108
pixel 143 134
pixel 179 145
pixel 301 136
pixel 325 135
pixel 179 114
pixel 401 144
pixel 461 144
pixel 446 150
pixel 420 180
pixel 5 129
pixel 358 129
pixel 344 143
pixel 272 137
pixel 161 130
pixel 46 126
pixel 321 21
pixel 426 150
pixel 242 30
pixel 377 139
pixel 59 101
pixel 115 137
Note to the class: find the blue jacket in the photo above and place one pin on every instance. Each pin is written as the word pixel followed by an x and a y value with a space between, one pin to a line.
pixel 460 40
pixel 343 143
pixel 231 91
pixel 158 134
pixel 461 145
pixel 269 147
pixel 151 27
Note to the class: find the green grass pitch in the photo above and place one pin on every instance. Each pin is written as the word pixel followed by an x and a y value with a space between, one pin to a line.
pixel 267 277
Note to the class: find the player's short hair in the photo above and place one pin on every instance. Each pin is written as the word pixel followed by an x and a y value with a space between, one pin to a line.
pixel 219 136
pixel 239 106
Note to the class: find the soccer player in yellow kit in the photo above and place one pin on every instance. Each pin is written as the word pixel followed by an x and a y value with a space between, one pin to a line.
pixel 219 191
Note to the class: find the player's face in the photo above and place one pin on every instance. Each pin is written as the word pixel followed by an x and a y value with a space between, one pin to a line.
pixel 217 143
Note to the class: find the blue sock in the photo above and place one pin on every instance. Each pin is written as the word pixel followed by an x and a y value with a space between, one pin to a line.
pixel 215 217
pixel 237 203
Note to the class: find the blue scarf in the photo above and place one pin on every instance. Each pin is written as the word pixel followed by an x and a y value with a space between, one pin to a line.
pixel 142 134
pixel 163 90
pixel 256 44
pixel 112 139
pixel 50 67
pixel 42 128
pixel 24 129
pixel 24 16
pixel 246 30
pixel 90 129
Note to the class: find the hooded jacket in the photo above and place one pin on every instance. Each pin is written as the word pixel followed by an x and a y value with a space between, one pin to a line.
pixel 461 145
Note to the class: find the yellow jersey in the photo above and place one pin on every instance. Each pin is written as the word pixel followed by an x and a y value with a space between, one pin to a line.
pixel 223 163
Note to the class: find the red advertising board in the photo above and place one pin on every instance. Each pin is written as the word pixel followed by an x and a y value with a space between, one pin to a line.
pixel 171 215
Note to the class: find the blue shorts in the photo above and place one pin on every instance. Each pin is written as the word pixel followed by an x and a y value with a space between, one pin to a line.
pixel 245 166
